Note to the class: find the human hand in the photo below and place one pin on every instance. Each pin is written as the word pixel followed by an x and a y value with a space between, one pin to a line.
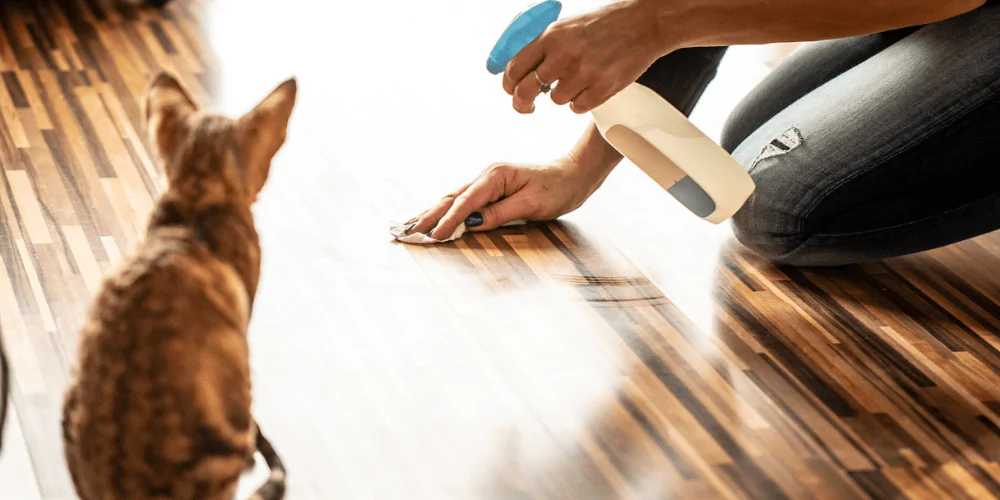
pixel 507 192
pixel 592 57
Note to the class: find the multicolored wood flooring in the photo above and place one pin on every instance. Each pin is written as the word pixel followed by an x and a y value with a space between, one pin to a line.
pixel 627 351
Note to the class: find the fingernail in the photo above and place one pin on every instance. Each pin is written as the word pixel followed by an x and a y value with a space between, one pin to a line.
pixel 430 231
pixel 410 228
pixel 476 219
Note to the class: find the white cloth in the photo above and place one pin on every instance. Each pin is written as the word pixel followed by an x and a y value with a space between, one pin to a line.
pixel 398 231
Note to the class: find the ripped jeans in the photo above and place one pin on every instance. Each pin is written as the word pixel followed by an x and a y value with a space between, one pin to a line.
pixel 863 148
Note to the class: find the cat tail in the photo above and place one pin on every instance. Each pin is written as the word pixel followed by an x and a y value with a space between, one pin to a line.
pixel 4 390
pixel 274 488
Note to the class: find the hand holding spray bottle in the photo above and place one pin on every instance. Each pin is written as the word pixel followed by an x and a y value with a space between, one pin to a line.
pixel 648 131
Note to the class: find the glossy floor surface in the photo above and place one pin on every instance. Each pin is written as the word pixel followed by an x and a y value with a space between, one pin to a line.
pixel 628 351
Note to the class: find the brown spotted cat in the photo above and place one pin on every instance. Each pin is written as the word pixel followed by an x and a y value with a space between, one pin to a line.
pixel 159 407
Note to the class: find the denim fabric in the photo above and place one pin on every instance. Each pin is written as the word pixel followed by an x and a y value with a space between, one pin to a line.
pixel 900 141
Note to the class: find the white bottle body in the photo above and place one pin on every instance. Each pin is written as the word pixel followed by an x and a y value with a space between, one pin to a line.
pixel 663 143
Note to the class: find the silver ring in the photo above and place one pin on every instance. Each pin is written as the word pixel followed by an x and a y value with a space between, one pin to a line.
pixel 542 86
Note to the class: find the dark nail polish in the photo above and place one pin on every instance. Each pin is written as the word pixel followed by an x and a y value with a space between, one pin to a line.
pixel 410 228
pixel 476 219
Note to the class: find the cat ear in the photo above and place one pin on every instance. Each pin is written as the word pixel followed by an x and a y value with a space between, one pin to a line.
pixel 168 103
pixel 263 131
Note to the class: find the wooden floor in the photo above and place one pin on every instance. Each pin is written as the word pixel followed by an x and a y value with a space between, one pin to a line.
pixel 628 351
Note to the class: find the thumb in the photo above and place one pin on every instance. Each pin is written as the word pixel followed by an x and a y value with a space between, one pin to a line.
pixel 497 214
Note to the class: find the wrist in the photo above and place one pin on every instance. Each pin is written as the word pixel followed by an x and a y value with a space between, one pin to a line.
pixel 593 158
pixel 663 25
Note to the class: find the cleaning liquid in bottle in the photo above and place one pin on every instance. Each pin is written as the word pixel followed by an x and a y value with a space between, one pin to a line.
pixel 648 131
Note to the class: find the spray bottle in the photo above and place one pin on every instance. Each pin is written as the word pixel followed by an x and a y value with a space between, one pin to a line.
pixel 648 131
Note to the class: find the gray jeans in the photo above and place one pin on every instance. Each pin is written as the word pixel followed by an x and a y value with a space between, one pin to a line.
pixel 863 148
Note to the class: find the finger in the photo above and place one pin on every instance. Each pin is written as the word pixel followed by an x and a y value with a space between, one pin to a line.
pixel 548 71
pixel 497 214
pixel 429 218
pixel 589 99
pixel 568 90
pixel 485 191
pixel 572 79
pixel 522 64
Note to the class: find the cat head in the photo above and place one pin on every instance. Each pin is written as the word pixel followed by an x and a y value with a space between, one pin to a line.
pixel 216 158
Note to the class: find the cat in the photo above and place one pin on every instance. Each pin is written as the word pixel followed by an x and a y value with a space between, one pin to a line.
pixel 158 406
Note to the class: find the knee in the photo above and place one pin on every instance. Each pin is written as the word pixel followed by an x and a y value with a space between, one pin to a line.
pixel 735 129
pixel 771 225
pixel 755 228
pixel 784 237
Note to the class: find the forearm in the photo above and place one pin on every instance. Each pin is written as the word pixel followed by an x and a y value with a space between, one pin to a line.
pixel 680 24
pixel 594 157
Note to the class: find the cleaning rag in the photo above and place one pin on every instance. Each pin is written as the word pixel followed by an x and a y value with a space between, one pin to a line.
pixel 398 231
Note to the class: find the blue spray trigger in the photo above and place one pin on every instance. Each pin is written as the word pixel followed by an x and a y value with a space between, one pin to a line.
pixel 522 31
